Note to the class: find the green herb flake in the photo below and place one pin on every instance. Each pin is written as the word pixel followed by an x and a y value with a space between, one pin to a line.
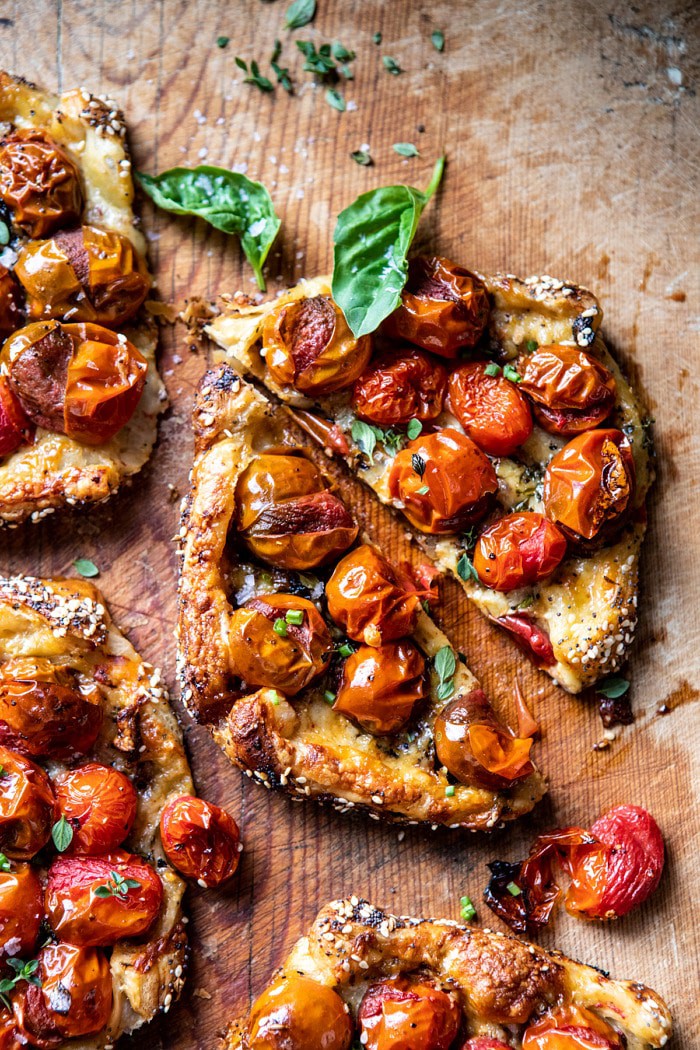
pixel 257 79
pixel 414 429
pixel 329 696
pixel 438 40
pixel 492 369
pixel 222 41
pixel 280 627
pixel 4 862
pixel 275 699
pixel 423 490
pixel 24 971
pixel 85 567
pixel 612 688
pixel 527 601
pixel 465 568
pixel 405 149
pixel 299 14
pixel 295 617
pixel 320 62
pixel 62 834
pixel 341 53
pixel 364 437
pixel 346 649
pixel 362 157
pixel 514 889
pixel 467 910
pixel 531 345
pixel 449 791
pixel 376 37
pixel 335 100
pixel 116 886
pixel 445 665
pixel 511 373
pixel 283 78
pixel 391 65
pixel 418 464
pixel 4 233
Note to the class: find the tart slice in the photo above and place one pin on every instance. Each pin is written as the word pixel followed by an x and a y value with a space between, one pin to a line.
pixel 308 655
pixel 490 413
pixel 362 977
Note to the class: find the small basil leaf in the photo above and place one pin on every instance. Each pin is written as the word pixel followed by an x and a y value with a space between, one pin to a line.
pixel 405 149
pixel 465 569
pixel 613 688
pixel 445 663
pixel 86 568
pixel 364 437
pixel 361 156
pixel 391 65
pixel 413 429
pixel 62 834
pixel 222 41
pixel 299 14
pixel 335 99
pixel 438 40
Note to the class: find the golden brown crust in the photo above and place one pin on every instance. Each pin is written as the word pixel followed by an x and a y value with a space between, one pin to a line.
pixel 498 980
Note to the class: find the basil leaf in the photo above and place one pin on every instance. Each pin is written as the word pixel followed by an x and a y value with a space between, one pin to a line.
pixel 86 568
pixel 465 569
pixel 445 663
pixel 413 429
pixel 391 65
pixel 364 437
pixel 102 891
pixel 299 14
pixel 445 690
pixel 62 834
pixel 222 41
pixel 361 156
pixel 335 99
pixel 405 149
pixel 226 199
pixel 613 688
pixel 418 464
pixel 372 238
pixel 438 40
pixel 376 37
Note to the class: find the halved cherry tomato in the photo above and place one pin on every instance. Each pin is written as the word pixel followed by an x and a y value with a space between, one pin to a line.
pixel 589 485
pixel 44 714
pixel 307 344
pixel 73 997
pixel 27 806
pixel 571 1027
pixel 381 687
pixel 443 307
pixel 286 515
pixel 368 600
pixel 444 481
pixel 21 911
pixel 297 1013
pixel 15 427
pixel 39 183
pixel 476 748
pixel 99 803
pixel 200 840
pixel 398 386
pixel 270 647
pixel 407 1013
pixel 530 637
pixel 94 901
pixel 491 409
pixel 572 391
pixel 10 303
pixel 518 550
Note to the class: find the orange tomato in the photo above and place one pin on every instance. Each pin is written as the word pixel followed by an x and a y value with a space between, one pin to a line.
pixel 200 840
pixel 518 550
pixel 27 806
pixel 73 997
pixel 367 600
pixel 21 911
pixel 381 687
pixel 571 390
pixel 39 183
pixel 404 1013
pixel 297 1013
pixel 491 409
pixel 44 714
pixel 10 303
pixel 99 803
pixel 399 386
pixel 570 1027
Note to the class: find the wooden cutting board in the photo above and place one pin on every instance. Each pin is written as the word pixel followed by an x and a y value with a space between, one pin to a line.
pixel 571 132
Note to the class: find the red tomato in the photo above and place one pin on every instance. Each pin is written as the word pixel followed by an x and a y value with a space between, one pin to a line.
pixel 200 840
pixel 15 428
pixel 407 1014
pixel 381 687
pixel 39 182
pixel 27 806
pixel 366 598
pixel 491 409
pixel 572 391
pixel 484 1042
pixel 94 901
pixel 518 550
pixel 73 999
pixel 21 911
pixel 10 303
pixel 571 1027
pixel 46 716
pixel 532 638
pixel 297 1013
pixel 99 803
pixel 444 481
pixel 399 386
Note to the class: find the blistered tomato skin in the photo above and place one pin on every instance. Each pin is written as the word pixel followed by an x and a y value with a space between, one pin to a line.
pixel 518 550
pixel 530 637
pixel 367 600
pixel 444 481
pixel 398 386
pixel 21 912
pixel 10 1036
pixel 491 409
pixel 16 429
pixel 296 1013
pixel 443 307
pixel 484 1042
pixel 39 183
pixel 11 314
pixel 381 687
pixel 200 840
pixel 27 806
pixel 99 803
pixel 634 861
pixel 74 997
pixel 286 515
pixel 571 1027
pixel 571 390
pixel 308 345
pixel 47 716
pixel 407 1014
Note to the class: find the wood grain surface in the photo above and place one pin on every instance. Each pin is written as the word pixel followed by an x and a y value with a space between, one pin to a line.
pixel 571 130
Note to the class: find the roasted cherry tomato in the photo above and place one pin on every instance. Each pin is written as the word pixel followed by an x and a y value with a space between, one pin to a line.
pixel 286 515
pixel 407 1013
pixel 15 428
pixel 399 386
pixel 279 641
pixel 589 486
pixel 44 713
pixel 491 409
pixel 368 600
pixel 27 806
pixel 10 303
pixel 296 1013
pixel 84 274
pixel 476 749
pixel 99 803
pixel 381 687
pixel 484 1042
pixel 10 1036
pixel 518 550
pixel 571 1027
pixel 634 861
pixel 201 840
pixel 307 344
pixel 571 390
pixel 39 183
pixel 73 996
pixel 530 637
pixel 21 911
pixel 443 307
pixel 444 481
pixel 76 379
pixel 94 901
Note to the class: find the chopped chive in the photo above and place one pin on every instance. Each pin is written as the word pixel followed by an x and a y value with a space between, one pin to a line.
pixel 295 617
pixel 450 790
pixel 345 649
pixel 531 345
pixel 514 889
pixel 329 697
pixel 4 862
pixel 423 490
pixel 275 699
pixel 280 627
pixel 511 373
pixel 467 909
pixel 492 369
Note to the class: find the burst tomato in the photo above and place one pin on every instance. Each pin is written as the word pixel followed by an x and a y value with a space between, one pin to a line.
pixel 518 550
pixel 399 386
pixel 296 1013
pixel 43 713
pixel 99 803
pixel 406 1013
pixel 21 911
pixel 484 1042
pixel 73 998
pixel 443 307
pixel 571 390
pixel 634 861
pixel 201 840
pixel 381 687
pixel 444 481
pixel 39 183
pixel 15 428
pixel 533 639
pixel 491 409
pixel 93 901
pixel 366 598
pixel 571 1027
pixel 10 303
pixel 27 806
pixel 286 515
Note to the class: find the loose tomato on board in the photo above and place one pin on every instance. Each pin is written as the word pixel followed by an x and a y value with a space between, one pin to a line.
pixel 287 517
pixel 27 806
pixel 201 840
pixel 634 861
pixel 398 386
pixel 571 1027
pixel 93 901
pixel 443 307
pixel 307 344
pixel 381 687
pixel 11 316
pixel 296 1013
pixel 518 550
pixel 368 600
pixel 73 996
pixel 407 1013
pixel 21 911
pixel 16 428
pixel 491 408
pixel 39 182
pixel 99 803
pixel 572 391
pixel 44 714
pixel 444 481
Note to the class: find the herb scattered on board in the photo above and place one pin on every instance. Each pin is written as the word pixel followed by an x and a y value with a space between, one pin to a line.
pixel 391 65
pixel 467 910
pixel 445 665
pixel 254 76
pixel 85 567
pixel 438 40
pixel 299 14
pixel 222 41
pixel 62 834
pixel 362 157
pixel 405 149
pixel 24 971
pixel 335 99
pixel 376 37
pixel 612 688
